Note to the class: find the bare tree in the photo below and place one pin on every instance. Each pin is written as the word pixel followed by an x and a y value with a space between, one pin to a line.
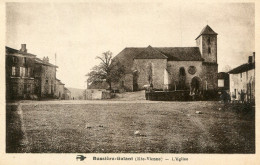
pixel 109 70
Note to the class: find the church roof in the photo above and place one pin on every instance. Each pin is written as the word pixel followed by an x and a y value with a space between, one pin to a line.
pixel 207 30
pixel 150 53
pixel 181 53
pixel 127 56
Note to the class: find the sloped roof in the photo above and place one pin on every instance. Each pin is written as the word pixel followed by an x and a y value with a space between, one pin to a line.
pixel 242 68
pixel 207 30
pixel 58 81
pixel 39 61
pixel 9 50
pixel 181 53
pixel 67 89
pixel 127 55
pixel 150 53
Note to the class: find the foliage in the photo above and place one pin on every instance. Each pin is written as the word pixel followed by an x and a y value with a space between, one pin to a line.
pixel 108 70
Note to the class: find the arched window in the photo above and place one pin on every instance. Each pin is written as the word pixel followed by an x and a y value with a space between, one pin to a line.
pixel 182 78
pixel 209 50
pixel 208 41
pixel 182 71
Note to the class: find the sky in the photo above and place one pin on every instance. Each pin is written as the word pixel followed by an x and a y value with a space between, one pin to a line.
pixel 78 32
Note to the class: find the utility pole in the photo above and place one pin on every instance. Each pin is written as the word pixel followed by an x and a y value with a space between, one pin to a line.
pixel 55 59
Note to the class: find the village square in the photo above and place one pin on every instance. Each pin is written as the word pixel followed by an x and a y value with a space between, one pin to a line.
pixel 148 98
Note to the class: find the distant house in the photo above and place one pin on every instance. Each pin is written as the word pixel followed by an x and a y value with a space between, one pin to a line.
pixel 67 94
pixel 242 80
pixel 59 92
pixel 223 81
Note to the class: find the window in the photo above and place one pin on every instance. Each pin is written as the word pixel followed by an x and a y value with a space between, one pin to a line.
pixel 24 72
pixel 182 71
pixel 208 41
pixel 29 72
pixel 209 50
pixel 241 75
pixel 220 82
pixel 15 59
pixel 246 75
pixel 29 86
pixel 25 88
pixel 13 71
pixel 24 60
pixel 21 71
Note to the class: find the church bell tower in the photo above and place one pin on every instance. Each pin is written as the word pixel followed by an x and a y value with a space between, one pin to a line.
pixel 207 43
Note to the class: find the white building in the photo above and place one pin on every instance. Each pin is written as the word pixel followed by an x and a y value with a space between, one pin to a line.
pixel 242 81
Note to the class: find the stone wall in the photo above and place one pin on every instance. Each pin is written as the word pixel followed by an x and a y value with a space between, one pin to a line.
pixel 158 67
pixel 59 90
pixel 128 82
pixel 22 88
pixel 173 68
pixel 19 76
pixel 209 57
pixel 47 75
pixel 124 84
pixel 210 79
pixel 97 94
pixel 243 82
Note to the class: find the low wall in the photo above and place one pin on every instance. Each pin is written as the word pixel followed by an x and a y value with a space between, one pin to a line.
pixel 96 94
pixel 180 95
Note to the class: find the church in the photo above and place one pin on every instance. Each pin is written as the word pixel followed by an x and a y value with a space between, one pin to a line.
pixel 171 68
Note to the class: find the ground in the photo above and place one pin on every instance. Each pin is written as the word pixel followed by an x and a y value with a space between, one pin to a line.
pixel 129 127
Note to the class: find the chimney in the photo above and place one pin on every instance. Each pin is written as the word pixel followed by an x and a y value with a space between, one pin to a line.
pixel 45 59
pixel 253 59
pixel 23 48
pixel 250 59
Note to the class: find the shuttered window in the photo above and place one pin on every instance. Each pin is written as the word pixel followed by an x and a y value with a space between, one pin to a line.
pixel 13 71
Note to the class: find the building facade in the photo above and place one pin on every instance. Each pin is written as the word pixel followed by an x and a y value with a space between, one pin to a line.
pixel 242 81
pixel 172 68
pixel 59 89
pixel 19 73
pixel 28 77
pixel 45 77
pixel 67 94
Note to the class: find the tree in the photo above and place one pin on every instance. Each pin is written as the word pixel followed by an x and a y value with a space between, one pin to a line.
pixel 109 70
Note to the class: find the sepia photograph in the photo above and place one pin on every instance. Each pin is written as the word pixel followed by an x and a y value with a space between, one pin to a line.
pixel 130 77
